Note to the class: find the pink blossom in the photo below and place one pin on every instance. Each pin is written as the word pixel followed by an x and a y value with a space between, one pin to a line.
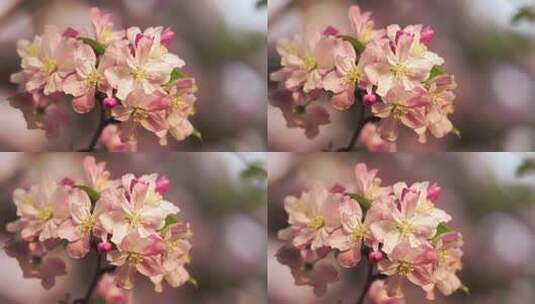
pixel 146 68
pixel 111 139
pixel 109 292
pixel 406 262
pixel 87 79
pixel 307 271
pixel 410 219
pixel 350 237
pixel 182 100
pixel 141 109
pixel 378 294
pixel 136 254
pixel 363 27
pixel 372 140
pixel 80 227
pixel 401 107
pixel 41 210
pixel 46 61
pixel 162 185
pixel 305 61
pixel 103 27
pixel 447 249
pixel 104 247
pixel 406 62
pixel 314 216
pixel 308 117
pixel 34 262
pixel 96 174
pixel 368 185
pixel 175 257
pixel 136 207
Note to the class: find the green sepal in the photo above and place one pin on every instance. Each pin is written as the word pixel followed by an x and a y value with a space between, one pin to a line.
pixel 97 47
pixel 364 203
pixel 357 45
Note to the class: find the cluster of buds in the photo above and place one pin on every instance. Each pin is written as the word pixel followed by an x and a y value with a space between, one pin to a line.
pixel 398 228
pixel 130 73
pixel 125 220
pixel 389 71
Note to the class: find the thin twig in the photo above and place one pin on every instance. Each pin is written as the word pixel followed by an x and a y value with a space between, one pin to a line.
pixel 362 121
pixel 98 274
pixel 103 123
pixel 369 280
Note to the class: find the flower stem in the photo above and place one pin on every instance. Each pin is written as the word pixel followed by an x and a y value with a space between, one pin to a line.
pixel 369 280
pixel 98 273
pixel 103 122
pixel 362 121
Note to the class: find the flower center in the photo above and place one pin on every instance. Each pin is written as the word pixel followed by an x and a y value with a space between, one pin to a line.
pixel 139 74
pixel 134 219
pixel 87 224
pixel 177 102
pixel 405 228
pixel 400 71
pixel 92 79
pixel 441 255
pixel 45 214
pixel 316 222
pixel 353 75
pixel 309 63
pixel 133 258
pixel 139 115
pixel 171 246
pixel 49 65
pixel 405 268
pixel 105 35
pixel 359 233
pixel 397 112
pixel 32 50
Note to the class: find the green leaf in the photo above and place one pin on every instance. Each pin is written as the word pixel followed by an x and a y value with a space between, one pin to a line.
pixel 526 13
pixel 169 220
pixel 261 3
pixel 359 46
pixel 175 74
pixel 254 172
pixel 97 301
pixel 435 71
pixel 464 288
pixel 93 195
pixel 193 282
pixel 97 47
pixel 364 203
pixel 441 229
pixel 197 135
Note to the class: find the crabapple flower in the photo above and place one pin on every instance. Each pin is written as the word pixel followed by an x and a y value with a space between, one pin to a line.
pixel 42 209
pixel 371 139
pixel 126 221
pixel 391 70
pixel 396 227
pixel 313 216
pixel 136 254
pixel 136 208
pixel 121 71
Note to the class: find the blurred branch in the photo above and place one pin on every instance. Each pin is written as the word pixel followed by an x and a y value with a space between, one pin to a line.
pixel 527 167
pixel 362 121
pixel 261 3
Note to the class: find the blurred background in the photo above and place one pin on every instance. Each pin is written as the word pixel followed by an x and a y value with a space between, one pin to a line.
pixel 490 196
pixel 222 195
pixel 222 41
pixel 492 57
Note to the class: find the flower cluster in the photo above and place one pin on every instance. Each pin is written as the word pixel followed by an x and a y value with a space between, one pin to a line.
pixel 127 220
pixel 130 73
pixel 389 71
pixel 398 228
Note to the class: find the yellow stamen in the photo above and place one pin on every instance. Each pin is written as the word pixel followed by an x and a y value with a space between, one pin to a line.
pixel 405 268
pixel 405 228
pixel 92 79
pixel 133 258
pixel 139 74
pixel 400 71
pixel 353 76
pixel 309 63
pixel 359 233
pixel 138 115
pixel 134 219
pixel 316 222
pixel 49 65
pixel 87 224
pixel 45 214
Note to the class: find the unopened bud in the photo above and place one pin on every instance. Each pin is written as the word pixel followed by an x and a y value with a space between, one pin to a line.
pixel 167 37
pixel 110 103
pixel 67 181
pixel 104 247
pixel 330 31
pixel 162 185
pixel 369 100
pixel 375 256
pixel 426 36
pixel 70 32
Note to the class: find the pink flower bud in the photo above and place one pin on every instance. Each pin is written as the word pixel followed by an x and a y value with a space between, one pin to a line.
pixel 104 247
pixel 67 181
pixel 139 36
pixel 375 256
pixel 426 36
pixel 167 37
pixel 337 188
pixel 369 100
pixel 433 192
pixel 330 31
pixel 110 103
pixel 70 32
pixel 162 185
